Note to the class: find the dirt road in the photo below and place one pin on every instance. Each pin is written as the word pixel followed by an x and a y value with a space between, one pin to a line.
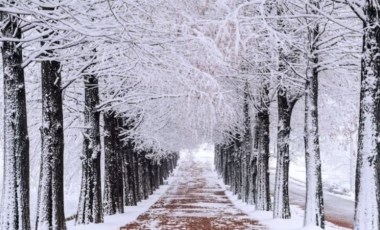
pixel 196 201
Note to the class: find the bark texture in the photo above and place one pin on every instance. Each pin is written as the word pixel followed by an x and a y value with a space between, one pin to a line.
pixel 15 197
pixel 90 208
pixel 281 208
pixel 113 166
pixel 314 208
pixel 262 196
pixel 367 199
pixel 50 213
pixel 130 196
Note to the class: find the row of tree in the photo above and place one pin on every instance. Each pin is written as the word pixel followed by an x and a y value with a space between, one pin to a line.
pixel 129 176
pixel 242 159
pixel 178 74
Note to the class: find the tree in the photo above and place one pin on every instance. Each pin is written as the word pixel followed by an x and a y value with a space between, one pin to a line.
pixel 367 190
pixel 50 212
pixel 246 146
pixel 15 197
pixel 287 95
pixel 261 146
pixel 314 210
pixel 286 102
pixel 50 207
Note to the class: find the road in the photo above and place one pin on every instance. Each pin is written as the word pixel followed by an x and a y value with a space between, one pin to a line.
pixel 194 201
pixel 338 210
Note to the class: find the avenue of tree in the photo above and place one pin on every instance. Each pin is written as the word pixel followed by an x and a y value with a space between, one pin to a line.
pixel 142 80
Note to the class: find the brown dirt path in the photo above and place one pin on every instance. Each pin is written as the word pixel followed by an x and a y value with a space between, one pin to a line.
pixel 194 201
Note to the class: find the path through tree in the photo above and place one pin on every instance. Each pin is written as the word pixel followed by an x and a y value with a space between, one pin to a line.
pixel 194 201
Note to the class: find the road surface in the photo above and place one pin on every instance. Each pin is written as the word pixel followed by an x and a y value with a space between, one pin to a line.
pixel 194 201
pixel 338 210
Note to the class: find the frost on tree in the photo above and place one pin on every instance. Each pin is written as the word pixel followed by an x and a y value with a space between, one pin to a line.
pixel 287 97
pixel 15 196
pixel 367 199
pixel 50 211
pixel 90 208
pixel 314 210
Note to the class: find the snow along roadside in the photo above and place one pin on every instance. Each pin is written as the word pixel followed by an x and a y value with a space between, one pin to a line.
pixel 131 213
pixel 266 217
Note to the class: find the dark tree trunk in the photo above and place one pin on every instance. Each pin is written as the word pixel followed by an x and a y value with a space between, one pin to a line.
pixel 281 208
pixel 230 164
pixel 151 171
pixel 130 195
pixel 237 166
pixel 50 213
pixel 246 146
pixel 252 174
pixel 142 187
pixel 367 188
pixel 113 171
pixel 147 177
pixel 263 201
pixel 226 163
pixel 136 174
pixel 15 197
pixel 90 208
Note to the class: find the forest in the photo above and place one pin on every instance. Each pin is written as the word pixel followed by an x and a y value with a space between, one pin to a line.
pixel 101 96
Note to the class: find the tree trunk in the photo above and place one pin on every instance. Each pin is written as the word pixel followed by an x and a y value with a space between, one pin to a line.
pixel 367 199
pixel 113 187
pixel 138 177
pixel 15 197
pixel 237 166
pixel 246 147
pixel 50 213
pixel 281 208
pixel 130 195
pixel 314 210
pixel 262 182
pixel 142 176
pixel 252 164
pixel 227 148
pixel 314 213
pixel 90 201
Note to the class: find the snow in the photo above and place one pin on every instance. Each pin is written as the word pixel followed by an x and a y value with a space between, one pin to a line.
pixel 297 175
pixel 206 154
pixel 130 214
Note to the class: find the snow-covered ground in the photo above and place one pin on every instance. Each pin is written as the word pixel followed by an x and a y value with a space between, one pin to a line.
pixel 206 154
pixel 130 214
pixel 297 174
